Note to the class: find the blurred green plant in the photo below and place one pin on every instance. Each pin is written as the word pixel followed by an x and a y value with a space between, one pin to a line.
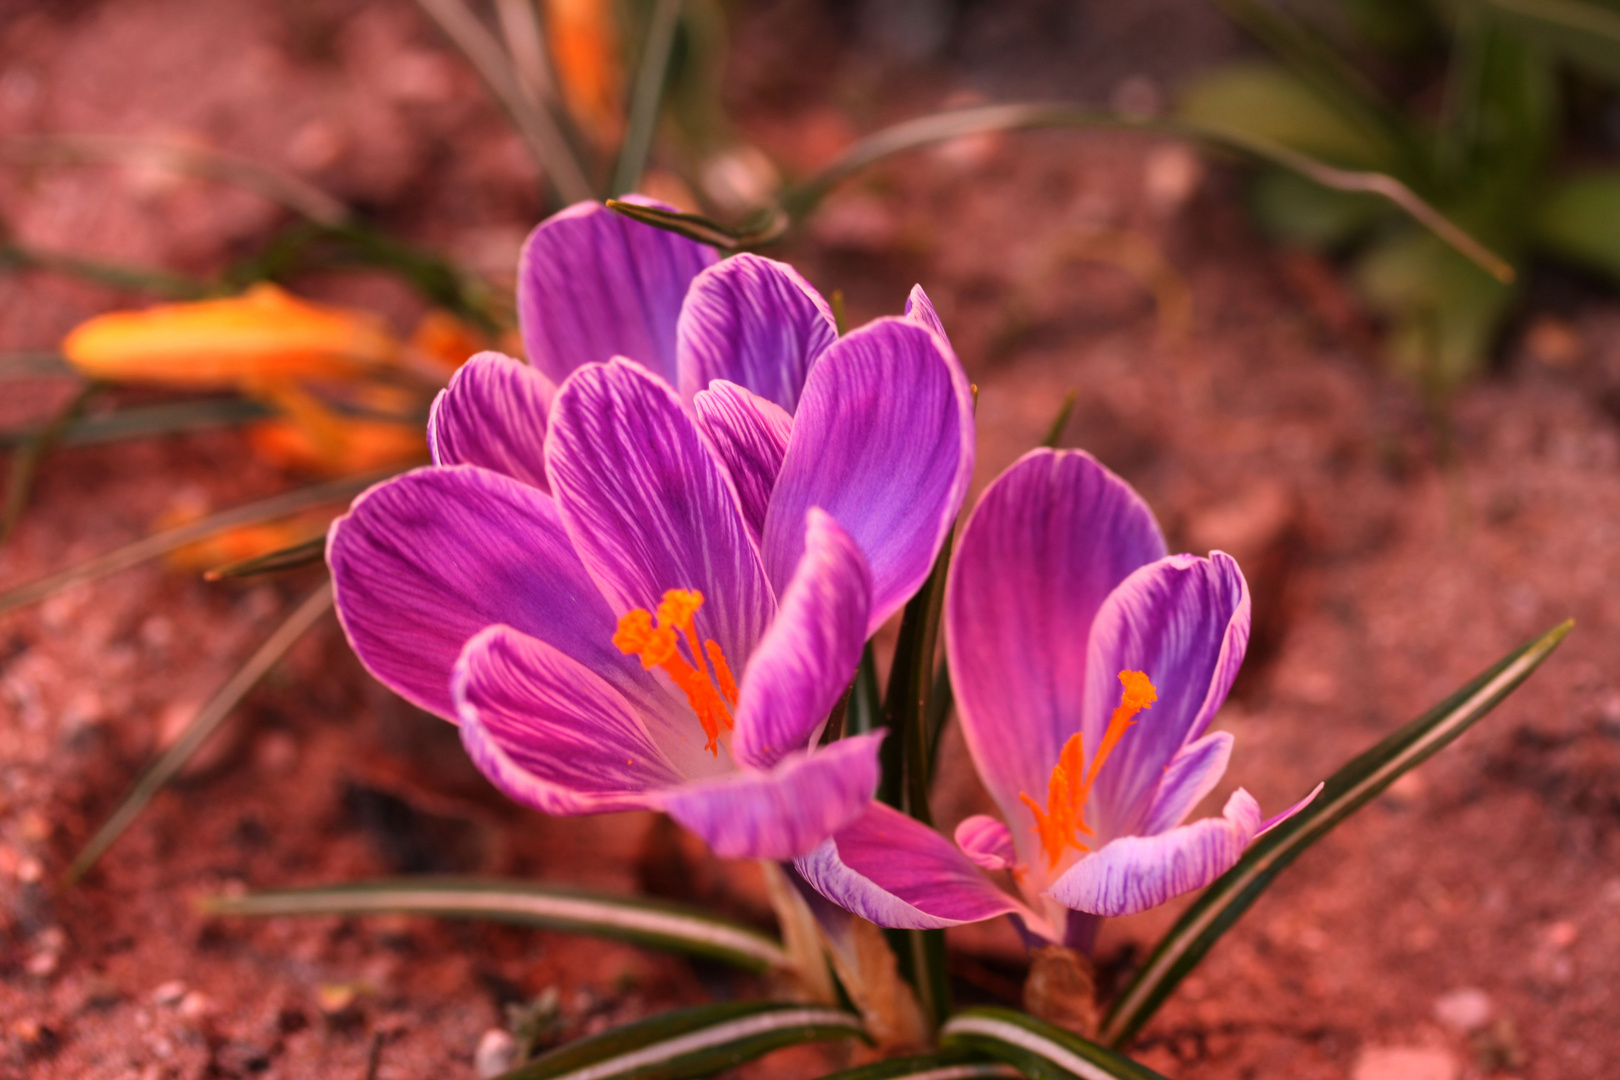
pixel 1478 129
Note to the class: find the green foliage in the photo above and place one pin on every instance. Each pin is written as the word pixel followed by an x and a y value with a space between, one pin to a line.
pixel 1486 159
pixel 1038 1049
pixel 645 922
pixel 691 1042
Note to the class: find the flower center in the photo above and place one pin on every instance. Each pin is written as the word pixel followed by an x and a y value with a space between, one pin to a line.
pixel 658 643
pixel 1063 822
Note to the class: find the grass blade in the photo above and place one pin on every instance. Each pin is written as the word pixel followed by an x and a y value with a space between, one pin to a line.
pixel 26 461
pixel 662 926
pixel 204 724
pixel 294 557
pixel 761 227
pixel 648 96
pixel 691 1042
pixel 151 547
pixel 14 257
pixel 36 364
pixel 148 420
pixel 1344 793
pixel 957 1064
pixel 537 127
pixel 908 766
pixel 1060 422
pixel 284 188
pixel 908 135
pixel 1038 1049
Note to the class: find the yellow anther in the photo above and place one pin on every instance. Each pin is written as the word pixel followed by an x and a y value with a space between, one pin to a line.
pixel 1062 822
pixel 657 643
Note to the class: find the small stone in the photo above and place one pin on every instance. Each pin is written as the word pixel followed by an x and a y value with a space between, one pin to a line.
pixel 169 994
pixel 195 1006
pixel 43 964
pixel 1561 935
pixel 496 1053
pixel 336 998
pixel 1465 1011
pixel 29 870
pixel 1404 1063
pixel 1553 342
pixel 1171 176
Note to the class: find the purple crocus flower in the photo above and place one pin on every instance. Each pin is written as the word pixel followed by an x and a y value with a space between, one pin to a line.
pixel 627 597
pixel 1087 666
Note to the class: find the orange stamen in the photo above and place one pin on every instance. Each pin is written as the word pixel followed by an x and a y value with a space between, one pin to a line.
pixel 1063 821
pixel 722 670
pixel 657 643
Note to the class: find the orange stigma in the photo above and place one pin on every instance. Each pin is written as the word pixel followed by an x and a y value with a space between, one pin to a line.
pixel 1063 822
pixel 658 644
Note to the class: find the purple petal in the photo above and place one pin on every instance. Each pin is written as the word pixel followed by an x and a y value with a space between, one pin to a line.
pixel 807 658
pixel 1191 774
pixel 1277 819
pixel 493 414
pixel 423 562
pixel 897 872
pixel 1185 622
pixel 882 441
pixel 551 733
pixel 755 322
pixel 787 811
pixel 920 310
pixel 987 842
pixel 649 508
pixel 751 435
pixel 1134 873
pixel 593 284
pixel 1048 542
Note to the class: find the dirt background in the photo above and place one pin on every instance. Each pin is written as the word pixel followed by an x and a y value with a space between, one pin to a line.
pixel 1463 925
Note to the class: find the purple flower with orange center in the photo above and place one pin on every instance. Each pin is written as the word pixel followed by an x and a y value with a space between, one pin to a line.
pixel 1087 665
pixel 632 596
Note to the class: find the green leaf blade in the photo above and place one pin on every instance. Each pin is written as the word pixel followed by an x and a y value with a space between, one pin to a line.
pixel 691 1042
pixel 663 926
pixel 1346 791
pixel 1038 1049
pixel 955 1064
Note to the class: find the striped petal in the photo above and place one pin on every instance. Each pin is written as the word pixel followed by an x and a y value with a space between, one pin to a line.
pixel 551 733
pixel 882 441
pixel 807 658
pixel 893 870
pixel 593 284
pixel 648 506
pixel 423 562
pixel 1134 873
pixel 1184 621
pixel 755 322
pixel 493 414
pixel 786 811
pixel 750 435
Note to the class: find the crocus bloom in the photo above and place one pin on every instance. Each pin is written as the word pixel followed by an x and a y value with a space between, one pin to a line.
pixel 1087 667
pixel 628 597
pixel 265 335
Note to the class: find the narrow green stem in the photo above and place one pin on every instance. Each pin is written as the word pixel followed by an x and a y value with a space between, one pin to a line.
pixel 648 97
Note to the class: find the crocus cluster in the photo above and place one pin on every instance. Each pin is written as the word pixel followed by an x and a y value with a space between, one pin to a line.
pixel 643 567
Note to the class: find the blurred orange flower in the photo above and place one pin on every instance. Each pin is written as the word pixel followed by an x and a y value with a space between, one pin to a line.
pixel 585 49
pixel 264 335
